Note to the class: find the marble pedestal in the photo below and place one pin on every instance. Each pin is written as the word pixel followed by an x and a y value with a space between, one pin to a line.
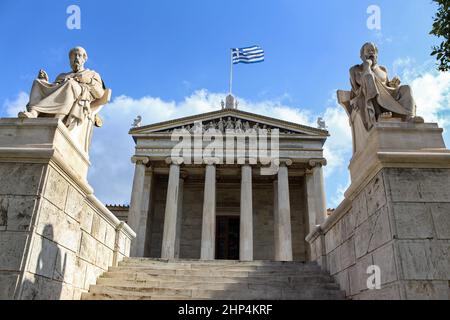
pixel 56 238
pixel 396 216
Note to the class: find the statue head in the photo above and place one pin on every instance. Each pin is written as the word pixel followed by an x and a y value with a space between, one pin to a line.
pixel 78 57
pixel 369 51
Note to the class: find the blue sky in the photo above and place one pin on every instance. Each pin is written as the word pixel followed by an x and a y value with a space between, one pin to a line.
pixel 162 58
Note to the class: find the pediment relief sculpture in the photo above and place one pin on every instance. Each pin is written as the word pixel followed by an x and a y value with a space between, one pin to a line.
pixel 228 124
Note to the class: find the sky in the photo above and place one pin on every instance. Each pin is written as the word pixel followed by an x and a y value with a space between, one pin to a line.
pixel 168 59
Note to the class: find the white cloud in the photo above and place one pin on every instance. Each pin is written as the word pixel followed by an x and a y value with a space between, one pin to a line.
pixel 112 172
pixel 13 107
pixel 431 89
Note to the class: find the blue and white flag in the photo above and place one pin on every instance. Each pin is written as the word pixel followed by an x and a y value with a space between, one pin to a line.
pixel 253 54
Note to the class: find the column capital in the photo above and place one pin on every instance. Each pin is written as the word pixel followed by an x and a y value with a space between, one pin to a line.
pixel 285 162
pixel 176 161
pixel 140 160
pixel 313 163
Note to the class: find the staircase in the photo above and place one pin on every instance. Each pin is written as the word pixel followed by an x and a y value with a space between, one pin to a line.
pixel 147 279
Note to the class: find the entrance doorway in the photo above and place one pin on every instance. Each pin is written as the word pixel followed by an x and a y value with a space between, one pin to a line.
pixel 227 238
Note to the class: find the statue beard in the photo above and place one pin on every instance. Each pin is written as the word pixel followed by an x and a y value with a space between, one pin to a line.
pixel 77 66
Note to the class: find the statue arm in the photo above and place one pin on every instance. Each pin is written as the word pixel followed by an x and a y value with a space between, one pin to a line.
pixel 355 86
pixel 96 86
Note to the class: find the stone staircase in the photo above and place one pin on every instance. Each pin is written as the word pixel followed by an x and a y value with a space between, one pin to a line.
pixel 149 279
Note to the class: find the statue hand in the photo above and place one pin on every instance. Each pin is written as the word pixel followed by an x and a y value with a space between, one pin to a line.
pixel 395 82
pixel 367 65
pixel 43 75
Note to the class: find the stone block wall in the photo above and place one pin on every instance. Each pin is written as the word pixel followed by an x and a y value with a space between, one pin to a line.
pixel 399 221
pixel 55 239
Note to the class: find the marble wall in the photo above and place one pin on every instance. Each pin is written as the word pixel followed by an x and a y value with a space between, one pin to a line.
pixel 54 239
pixel 400 221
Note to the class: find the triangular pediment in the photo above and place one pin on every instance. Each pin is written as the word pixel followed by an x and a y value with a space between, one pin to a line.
pixel 228 119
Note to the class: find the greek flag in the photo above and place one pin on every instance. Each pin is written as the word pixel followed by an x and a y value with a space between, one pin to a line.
pixel 248 55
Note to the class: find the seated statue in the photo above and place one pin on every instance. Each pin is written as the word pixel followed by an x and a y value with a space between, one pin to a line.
pixel 71 97
pixel 374 95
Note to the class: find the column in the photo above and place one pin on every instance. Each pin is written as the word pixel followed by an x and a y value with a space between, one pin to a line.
pixel 246 227
pixel 311 199
pixel 318 187
pixel 183 176
pixel 282 217
pixel 138 197
pixel 170 218
pixel 209 213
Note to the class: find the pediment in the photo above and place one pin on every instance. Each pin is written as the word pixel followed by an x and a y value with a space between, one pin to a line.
pixel 227 119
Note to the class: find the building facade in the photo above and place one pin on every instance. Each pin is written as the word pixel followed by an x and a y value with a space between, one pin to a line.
pixel 226 206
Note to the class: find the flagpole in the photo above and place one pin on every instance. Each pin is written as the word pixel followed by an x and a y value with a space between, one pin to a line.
pixel 231 72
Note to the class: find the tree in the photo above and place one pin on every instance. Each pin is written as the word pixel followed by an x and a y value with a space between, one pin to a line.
pixel 441 29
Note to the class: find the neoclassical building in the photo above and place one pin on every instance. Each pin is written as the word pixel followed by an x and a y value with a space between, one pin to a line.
pixel 216 209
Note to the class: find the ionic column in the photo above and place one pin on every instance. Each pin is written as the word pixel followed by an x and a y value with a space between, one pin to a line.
pixel 170 218
pixel 183 176
pixel 209 213
pixel 246 227
pixel 139 201
pixel 317 185
pixel 282 216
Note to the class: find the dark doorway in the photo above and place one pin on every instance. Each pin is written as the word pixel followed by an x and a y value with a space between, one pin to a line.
pixel 227 238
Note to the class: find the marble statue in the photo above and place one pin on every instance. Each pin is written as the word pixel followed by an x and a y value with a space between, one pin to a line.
pixel 374 95
pixel 321 124
pixel 230 124
pixel 238 126
pixel 221 125
pixel 71 97
pixel 137 122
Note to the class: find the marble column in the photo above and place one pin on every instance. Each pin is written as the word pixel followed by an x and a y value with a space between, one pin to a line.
pixel 311 200
pixel 183 176
pixel 139 201
pixel 171 213
pixel 208 245
pixel 317 185
pixel 246 227
pixel 282 217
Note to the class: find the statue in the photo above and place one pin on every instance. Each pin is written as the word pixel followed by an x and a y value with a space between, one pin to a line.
pixel 72 97
pixel 321 124
pixel 230 124
pixel 238 125
pixel 375 98
pixel 374 95
pixel 221 125
pixel 137 122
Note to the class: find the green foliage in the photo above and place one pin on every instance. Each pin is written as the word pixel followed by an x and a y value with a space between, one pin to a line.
pixel 441 29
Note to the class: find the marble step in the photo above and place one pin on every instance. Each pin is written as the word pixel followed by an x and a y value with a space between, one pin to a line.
pixel 268 285
pixel 149 261
pixel 256 294
pixel 103 296
pixel 113 278
pixel 208 272
pixel 281 268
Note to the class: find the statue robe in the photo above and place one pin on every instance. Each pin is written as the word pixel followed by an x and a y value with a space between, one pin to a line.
pixel 368 88
pixel 67 97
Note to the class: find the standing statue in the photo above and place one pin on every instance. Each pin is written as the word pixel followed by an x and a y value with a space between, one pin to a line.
pixel 374 95
pixel 70 97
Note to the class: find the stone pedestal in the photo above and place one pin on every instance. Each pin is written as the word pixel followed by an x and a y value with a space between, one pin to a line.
pixel 396 216
pixel 56 238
